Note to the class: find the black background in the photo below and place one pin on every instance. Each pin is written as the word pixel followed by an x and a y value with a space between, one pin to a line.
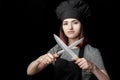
pixel 28 27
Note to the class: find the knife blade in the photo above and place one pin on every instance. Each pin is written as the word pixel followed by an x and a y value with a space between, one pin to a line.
pixel 72 45
pixel 65 47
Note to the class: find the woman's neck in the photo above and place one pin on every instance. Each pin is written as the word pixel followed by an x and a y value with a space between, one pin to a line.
pixel 70 41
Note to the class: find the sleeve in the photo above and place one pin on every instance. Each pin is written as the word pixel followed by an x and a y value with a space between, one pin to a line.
pixel 54 49
pixel 97 59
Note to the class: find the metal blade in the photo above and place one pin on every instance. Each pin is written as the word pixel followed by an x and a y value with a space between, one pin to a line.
pixel 65 47
pixel 72 45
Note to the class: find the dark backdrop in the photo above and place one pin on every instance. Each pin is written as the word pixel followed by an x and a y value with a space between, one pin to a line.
pixel 28 27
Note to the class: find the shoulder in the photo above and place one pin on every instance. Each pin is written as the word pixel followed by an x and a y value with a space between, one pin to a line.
pixel 91 51
pixel 90 48
pixel 94 55
pixel 55 49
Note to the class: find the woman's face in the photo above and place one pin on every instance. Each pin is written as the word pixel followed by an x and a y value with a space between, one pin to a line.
pixel 71 28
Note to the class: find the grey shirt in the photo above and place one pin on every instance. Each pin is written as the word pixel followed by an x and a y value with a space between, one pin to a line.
pixel 90 53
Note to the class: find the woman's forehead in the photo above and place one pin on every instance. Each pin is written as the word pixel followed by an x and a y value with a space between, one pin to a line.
pixel 70 19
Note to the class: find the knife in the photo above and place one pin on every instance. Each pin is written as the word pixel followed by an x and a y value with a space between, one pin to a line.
pixel 66 48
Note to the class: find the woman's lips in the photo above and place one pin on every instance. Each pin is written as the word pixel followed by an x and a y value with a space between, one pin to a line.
pixel 70 32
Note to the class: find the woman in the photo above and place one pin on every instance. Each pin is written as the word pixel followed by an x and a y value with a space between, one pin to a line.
pixel 73 16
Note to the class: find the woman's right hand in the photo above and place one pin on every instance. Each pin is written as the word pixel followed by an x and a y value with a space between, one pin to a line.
pixel 40 63
pixel 46 59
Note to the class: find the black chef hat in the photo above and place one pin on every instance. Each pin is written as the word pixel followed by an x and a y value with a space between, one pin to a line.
pixel 77 9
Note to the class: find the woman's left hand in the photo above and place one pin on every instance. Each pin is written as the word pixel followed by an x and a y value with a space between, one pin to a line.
pixel 85 64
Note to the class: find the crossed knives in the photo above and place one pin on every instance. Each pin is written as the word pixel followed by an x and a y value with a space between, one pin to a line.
pixel 67 48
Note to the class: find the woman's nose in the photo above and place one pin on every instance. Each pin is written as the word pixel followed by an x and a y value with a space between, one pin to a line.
pixel 70 26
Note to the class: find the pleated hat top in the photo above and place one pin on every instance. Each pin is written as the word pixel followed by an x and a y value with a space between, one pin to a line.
pixel 77 9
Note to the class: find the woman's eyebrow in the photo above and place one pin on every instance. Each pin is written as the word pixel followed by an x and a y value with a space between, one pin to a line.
pixel 65 21
pixel 74 20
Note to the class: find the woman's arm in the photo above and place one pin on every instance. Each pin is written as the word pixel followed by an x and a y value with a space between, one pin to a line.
pixel 100 74
pixel 39 64
pixel 91 67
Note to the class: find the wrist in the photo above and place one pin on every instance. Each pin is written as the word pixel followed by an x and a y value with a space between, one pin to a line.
pixel 93 68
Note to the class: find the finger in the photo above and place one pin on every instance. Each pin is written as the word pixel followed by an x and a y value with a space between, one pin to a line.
pixel 48 58
pixel 81 63
pixel 40 59
pixel 55 55
pixel 84 66
pixel 79 60
pixel 50 55
pixel 45 61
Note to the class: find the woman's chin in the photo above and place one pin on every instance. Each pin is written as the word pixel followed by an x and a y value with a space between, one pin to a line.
pixel 71 36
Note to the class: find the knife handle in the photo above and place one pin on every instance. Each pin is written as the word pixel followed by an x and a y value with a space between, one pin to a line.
pixel 76 58
pixel 55 55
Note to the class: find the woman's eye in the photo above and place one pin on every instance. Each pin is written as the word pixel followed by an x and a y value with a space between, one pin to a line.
pixel 75 22
pixel 64 23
